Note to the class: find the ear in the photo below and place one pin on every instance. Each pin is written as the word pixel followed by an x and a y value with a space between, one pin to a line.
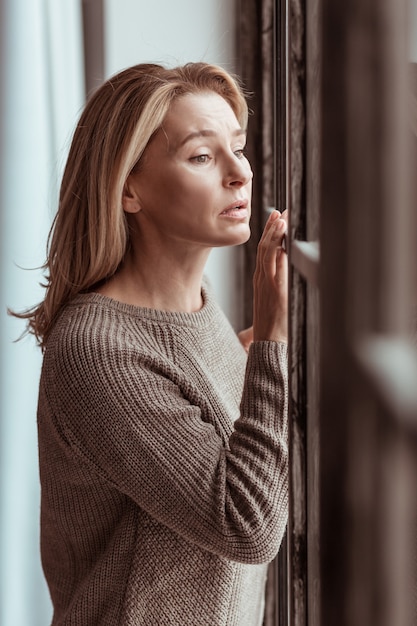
pixel 130 198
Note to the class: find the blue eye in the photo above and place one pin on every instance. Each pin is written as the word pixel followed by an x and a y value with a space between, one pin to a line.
pixel 240 153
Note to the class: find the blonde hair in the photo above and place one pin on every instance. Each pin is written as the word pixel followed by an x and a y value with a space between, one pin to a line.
pixel 89 235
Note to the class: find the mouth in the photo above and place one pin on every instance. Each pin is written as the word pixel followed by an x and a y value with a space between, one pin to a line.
pixel 238 209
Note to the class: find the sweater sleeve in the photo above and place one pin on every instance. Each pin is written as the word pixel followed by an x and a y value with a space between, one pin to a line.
pixel 125 419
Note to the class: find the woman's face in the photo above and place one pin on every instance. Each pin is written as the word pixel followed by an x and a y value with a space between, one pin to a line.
pixel 193 187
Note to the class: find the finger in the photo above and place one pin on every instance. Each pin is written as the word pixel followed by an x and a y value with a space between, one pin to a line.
pixel 281 269
pixel 269 244
pixel 284 215
pixel 275 215
pixel 273 242
pixel 269 250
pixel 270 233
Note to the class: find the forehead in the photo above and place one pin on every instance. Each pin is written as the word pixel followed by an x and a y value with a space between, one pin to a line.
pixel 193 113
pixel 203 101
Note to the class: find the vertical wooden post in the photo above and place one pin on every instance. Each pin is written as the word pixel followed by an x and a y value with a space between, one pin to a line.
pixel 297 525
pixel 334 359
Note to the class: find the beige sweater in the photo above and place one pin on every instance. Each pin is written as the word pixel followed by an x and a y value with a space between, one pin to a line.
pixel 163 469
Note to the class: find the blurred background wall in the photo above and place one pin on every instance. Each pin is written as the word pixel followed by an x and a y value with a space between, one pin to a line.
pixel 50 50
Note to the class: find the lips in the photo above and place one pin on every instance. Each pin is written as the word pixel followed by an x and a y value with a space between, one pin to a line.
pixel 237 208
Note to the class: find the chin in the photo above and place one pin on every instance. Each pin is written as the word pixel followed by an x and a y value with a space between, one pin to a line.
pixel 246 237
pixel 236 238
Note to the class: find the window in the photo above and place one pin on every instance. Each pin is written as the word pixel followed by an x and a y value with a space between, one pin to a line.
pixel 351 186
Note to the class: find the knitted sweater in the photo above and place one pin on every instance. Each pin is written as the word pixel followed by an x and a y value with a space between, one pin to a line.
pixel 163 464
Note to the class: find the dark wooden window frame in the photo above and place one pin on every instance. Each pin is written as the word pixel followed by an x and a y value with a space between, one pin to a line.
pixel 350 354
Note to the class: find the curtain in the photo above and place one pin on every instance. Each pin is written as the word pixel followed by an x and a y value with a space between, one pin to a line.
pixel 256 53
pixel 261 53
pixel 41 93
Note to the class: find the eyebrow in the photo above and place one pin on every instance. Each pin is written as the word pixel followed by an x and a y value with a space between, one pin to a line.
pixel 208 133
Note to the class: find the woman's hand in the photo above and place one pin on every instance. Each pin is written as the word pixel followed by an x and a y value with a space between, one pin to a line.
pixel 246 337
pixel 270 283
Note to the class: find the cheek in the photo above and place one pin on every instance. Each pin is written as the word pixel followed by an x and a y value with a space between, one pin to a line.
pixel 248 187
pixel 201 187
pixel 250 174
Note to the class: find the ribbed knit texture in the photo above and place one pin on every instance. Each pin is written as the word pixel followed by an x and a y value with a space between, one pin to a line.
pixel 163 461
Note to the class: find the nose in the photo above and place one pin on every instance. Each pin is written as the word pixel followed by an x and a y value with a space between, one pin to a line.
pixel 238 172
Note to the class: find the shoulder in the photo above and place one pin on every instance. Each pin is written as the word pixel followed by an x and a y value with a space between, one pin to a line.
pixel 90 336
pixel 94 357
pixel 88 319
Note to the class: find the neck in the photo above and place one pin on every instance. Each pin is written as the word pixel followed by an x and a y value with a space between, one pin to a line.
pixel 168 281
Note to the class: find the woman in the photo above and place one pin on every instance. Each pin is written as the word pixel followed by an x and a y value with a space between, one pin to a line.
pixel 162 444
